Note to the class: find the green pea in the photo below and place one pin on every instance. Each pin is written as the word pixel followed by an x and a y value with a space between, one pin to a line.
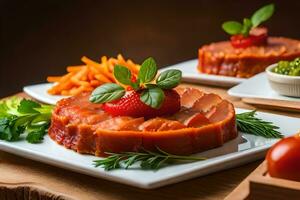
pixel 291 68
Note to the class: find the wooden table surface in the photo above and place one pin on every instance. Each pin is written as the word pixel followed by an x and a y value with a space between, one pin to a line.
pixel 26 179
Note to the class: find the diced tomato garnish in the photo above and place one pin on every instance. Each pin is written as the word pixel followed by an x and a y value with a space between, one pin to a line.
pixel 257 37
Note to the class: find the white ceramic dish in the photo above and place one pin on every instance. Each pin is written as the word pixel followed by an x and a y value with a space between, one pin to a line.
pixel 191 74
pixel 283 84
pixel 39 92
pixel 258 87
pixel 233 153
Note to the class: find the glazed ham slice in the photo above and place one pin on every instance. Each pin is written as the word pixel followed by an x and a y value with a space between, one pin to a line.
pixel 205 121
pixel 221 58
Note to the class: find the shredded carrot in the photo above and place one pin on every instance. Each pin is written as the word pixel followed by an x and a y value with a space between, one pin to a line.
pixel 85 78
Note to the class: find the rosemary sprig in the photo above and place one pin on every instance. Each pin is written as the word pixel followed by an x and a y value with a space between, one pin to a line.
pixel 248 123
pixel 146 159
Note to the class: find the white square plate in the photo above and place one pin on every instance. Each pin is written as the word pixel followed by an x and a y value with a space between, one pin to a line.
pixel 189 74
pixel 244 149
pixel 39 92
pixel 258 87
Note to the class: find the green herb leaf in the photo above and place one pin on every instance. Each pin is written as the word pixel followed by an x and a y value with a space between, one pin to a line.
pixel 145 160
pixel 106 93
pixel 6 125
pixel 247 25
pixel 45 109
pixel 9 106
pixel 262 14
pixel 150 85
pixel 153 97
pixel 19 116
pixel 248 123
pixel 28 106
pixel 147 71
pixel 169 79
pixel 36 135
pixel 122 74
pixel 232 27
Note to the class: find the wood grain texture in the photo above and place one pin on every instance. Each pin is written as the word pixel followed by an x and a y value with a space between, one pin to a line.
pixel 291 106
pixel 260 186
pixel 35 176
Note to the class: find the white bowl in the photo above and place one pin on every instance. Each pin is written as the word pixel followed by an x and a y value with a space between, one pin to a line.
pixel 283 84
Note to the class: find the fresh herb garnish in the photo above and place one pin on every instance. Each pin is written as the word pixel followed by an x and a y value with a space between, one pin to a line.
pixel 248 123
pixel 153 97
pixel 147 71
pixel 107 92
pixel 18 116
pixel 151 90
pixel 169 79
pixel 260 16
pixel 145 159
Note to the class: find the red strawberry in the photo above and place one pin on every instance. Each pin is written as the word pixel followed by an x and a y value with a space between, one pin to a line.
pixel 131 105
pixel 257 36
pixel 133 79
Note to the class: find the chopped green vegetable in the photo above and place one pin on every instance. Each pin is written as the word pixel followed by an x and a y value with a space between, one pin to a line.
pixel 291 68
pixel 18 116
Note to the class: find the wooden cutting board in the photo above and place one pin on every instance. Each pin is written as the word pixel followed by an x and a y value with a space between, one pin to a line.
pixel 291 106
pixel 260 186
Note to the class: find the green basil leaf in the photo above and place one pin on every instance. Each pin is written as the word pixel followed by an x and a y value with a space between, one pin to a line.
pixel 122 74
pixel 153 97
pixel 150 85
pixel 147 71
pixel 262 14
pixel 106 93
pixel 247 25
pixel 169 79
pixel 232 27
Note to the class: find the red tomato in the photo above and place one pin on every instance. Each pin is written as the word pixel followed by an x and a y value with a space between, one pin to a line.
pixel 257 36
pixel 283 159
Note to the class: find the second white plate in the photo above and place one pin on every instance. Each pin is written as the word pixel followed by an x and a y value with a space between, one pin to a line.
pixel 258 87
pixel 39 92
pixel 191 74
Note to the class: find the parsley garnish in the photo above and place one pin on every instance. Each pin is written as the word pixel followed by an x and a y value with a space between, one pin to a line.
pixel 18 116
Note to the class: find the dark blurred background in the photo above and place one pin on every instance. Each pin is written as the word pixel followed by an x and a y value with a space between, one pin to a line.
pixel 40 38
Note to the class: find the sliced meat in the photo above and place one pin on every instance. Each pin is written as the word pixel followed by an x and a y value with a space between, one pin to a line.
pixel 221 58
pixel 206 102
pixel 189 96
pixel 160 124
pixel 196 120
pixel 204 122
